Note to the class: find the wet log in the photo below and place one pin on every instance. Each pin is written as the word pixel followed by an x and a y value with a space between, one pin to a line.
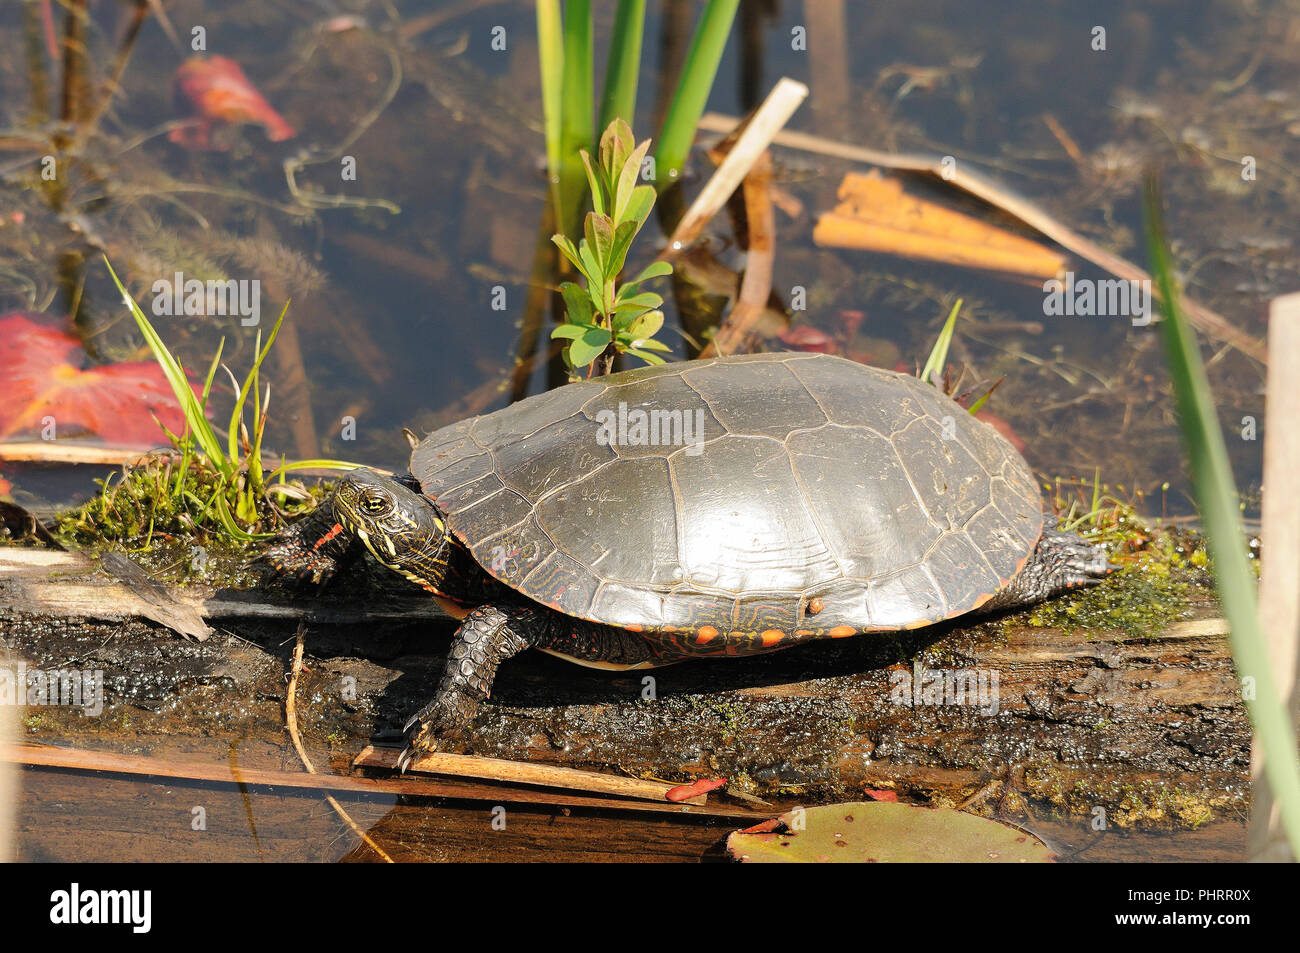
pixel 43 582
pixel 1146 727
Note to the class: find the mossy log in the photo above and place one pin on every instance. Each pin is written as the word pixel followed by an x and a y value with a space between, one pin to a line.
pixel 1144 730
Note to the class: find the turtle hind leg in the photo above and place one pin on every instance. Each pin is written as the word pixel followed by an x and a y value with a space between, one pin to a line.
pixel 488 636
pixel 1061 562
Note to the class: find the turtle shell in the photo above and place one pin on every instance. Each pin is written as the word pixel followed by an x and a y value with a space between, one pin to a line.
pixel 781 495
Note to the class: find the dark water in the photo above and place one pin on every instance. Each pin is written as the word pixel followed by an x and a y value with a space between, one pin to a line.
pixel 394 314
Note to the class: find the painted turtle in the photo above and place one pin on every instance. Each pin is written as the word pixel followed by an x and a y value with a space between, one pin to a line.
pixel 717 507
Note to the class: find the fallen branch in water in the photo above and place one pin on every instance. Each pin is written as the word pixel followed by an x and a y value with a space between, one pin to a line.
pixel 759 130
pixel 1211 323
pixel 521 772
pixel 68 585
pixel 190 769
pixel 756 286
pixel 291 725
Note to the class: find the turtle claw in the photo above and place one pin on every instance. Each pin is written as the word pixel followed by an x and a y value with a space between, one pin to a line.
pixel 434 727
pixel 404 759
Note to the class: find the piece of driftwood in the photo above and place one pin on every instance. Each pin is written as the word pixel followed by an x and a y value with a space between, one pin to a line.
pixel 50 583
pixel 756 286
pixel 751 143
pixel 959 175
pixel 1146 724
pixel 522 772
pixel 156 601
pixel 1279 579
pixel 66 451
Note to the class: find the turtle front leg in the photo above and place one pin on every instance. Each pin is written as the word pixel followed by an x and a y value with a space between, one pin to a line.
pixel 310 550
pixel 487 637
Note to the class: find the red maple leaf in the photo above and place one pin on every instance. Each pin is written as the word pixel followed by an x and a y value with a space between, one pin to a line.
pixel 42 375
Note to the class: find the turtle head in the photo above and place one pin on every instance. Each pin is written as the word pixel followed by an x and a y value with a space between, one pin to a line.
pixel 402 528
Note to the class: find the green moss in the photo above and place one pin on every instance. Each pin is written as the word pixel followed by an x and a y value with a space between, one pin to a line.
pixel 158 506
pixel 1133 601
pixel 1160 572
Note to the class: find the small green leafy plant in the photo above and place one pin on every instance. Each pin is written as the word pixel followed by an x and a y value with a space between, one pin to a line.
pixel 605 319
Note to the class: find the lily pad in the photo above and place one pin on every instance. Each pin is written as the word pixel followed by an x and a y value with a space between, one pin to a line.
pixel 884 832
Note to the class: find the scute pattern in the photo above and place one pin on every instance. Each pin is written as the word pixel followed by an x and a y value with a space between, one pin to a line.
pixel 822 498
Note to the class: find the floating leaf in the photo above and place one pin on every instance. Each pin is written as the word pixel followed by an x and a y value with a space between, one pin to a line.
pixel 42 374
pixel 684 792
pixel 886 832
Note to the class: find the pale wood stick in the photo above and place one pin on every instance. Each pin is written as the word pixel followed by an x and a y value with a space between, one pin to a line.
pixel 1206 320
pixel 765 123
pixel 756 286
pixel 522 772
pixel 291 725
pixel 1279 580
pixel 63 451
pixel 190 769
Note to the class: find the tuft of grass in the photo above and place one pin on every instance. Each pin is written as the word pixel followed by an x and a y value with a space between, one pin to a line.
pixel 1216 496
pixel 217 487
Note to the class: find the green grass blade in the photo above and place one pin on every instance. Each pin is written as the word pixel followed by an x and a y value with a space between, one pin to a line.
pixel 577 109
pixel 939 353
pixel 623 69
pixel 1216 495
pixel 212 371
pixel 550 51
pixel 312 465
pixel 250 382
pixel 180 383
pixel 693 88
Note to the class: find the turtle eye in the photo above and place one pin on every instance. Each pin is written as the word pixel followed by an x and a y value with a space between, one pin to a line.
pixel 374 505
